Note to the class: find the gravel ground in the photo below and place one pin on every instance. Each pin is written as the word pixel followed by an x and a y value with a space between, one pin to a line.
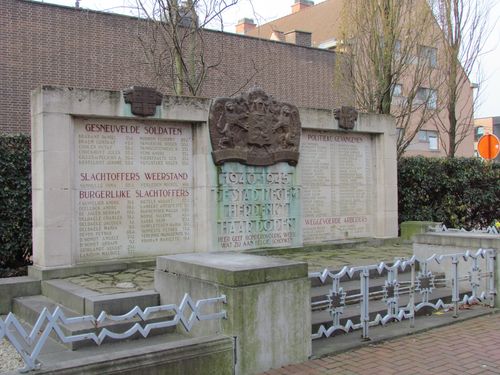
pixel 9 359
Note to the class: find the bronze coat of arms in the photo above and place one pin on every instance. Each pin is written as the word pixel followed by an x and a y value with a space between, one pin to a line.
pixel 254 129
pixel 143 100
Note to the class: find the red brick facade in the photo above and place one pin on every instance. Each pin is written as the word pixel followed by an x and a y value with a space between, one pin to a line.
pixel 47 44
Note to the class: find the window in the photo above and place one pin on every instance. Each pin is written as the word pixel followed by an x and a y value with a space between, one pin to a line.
pixel 430 137
pixel 397 95
pixel 397 47
pixel 478 132
pixel 422 136
pixel 397 89
pixel 433 141
pixel 428 96
pixel 428 55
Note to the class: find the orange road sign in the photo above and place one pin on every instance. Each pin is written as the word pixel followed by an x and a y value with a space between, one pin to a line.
pixel 488 146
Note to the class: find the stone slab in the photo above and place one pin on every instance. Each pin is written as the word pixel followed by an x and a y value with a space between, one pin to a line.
pixel 338 180
pixel 232 269
pixel 29 309
pixel 12 287
pixel 67 293
pixel 132 188
pixel 161 355
pixel 121 303
pixel 47 273
pixel 411 228
pixel 256 207
pixel 473 241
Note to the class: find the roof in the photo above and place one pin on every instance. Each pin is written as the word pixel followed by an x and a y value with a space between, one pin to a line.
pixel 322 20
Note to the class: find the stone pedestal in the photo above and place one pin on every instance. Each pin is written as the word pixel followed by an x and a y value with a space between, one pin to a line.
pixel 268 303
pixel 409 229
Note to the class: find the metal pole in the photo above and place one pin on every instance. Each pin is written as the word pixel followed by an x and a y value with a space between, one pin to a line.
pixel 454 286
pixel 491 259
pixel 412 296
pixel 365 313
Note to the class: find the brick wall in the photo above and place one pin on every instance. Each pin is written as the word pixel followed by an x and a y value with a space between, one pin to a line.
pixel 47 44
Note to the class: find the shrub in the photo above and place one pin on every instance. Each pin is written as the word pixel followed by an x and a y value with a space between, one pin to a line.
pixel 15 195
pixel 461 192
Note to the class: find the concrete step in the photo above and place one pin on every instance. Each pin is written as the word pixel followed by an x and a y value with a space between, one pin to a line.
pixel 30 308
pixel 87 302
pixel 68 294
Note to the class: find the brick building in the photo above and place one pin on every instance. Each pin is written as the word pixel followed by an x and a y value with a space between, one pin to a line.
pixel 49 44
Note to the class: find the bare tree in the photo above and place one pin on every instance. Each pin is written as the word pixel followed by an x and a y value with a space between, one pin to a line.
pixel 386 56
pixel 463 25
pixel 172 37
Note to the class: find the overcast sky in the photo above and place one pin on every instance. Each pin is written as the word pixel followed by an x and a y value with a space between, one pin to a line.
pixel 266 10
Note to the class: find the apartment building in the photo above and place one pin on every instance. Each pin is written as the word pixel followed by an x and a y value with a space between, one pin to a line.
pixel 320 25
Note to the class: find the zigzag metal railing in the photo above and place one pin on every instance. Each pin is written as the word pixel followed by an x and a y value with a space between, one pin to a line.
pixel 36 339
pixel 423 282
pixel 488 230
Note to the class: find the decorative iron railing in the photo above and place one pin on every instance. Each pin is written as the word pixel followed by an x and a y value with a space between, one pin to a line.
pixel 423 281
pixel 488 230
pixel 29 344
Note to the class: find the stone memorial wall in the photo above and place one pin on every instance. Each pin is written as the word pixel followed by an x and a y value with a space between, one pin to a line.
pixel 119 177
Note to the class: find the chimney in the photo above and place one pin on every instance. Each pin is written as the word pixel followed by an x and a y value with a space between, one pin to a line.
pixel 301 4
pixel 300 38
pixel 245 25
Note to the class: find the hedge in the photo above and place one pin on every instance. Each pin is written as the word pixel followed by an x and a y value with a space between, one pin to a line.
pixel 460 192
pixel 15 195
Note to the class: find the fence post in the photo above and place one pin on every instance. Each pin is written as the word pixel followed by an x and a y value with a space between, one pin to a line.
pixel 455 292
pixel 365 311
pixel 492 263
pixel 412 296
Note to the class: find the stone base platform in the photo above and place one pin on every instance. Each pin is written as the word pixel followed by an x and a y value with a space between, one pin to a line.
pixel 43 273
pixel 170 354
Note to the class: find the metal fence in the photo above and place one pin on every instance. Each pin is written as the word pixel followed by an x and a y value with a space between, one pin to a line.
pixel 29 344
pixel 478 284
pixel 488 230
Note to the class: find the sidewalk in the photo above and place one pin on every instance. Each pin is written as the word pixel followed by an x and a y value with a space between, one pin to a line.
pixel 470 347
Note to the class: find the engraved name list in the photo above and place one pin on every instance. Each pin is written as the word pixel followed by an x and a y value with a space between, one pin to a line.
pixel 133 188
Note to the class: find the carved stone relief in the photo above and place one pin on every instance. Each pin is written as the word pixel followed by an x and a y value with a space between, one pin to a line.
pixel 346 116
pixel 254 129
pixel 143 100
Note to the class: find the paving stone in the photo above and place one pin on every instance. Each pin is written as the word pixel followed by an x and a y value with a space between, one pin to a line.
pixel 463 352
pixel 337 258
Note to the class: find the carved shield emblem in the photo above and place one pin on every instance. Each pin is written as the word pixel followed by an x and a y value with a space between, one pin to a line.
pixel 143 100
pixel 254 129
pixel 346 116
